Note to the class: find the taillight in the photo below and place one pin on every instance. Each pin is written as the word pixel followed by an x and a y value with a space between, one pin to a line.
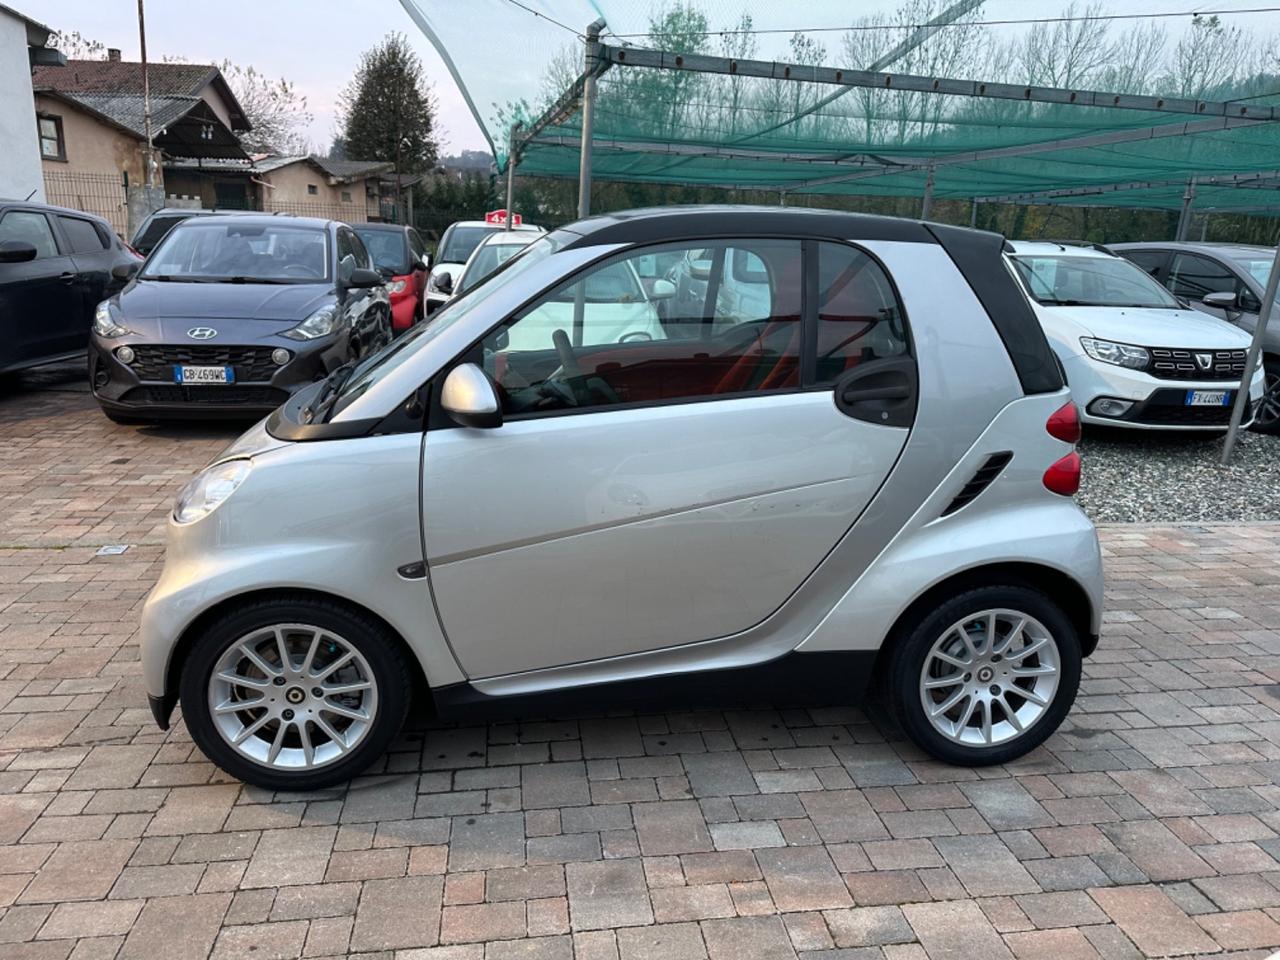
pixel 1064 425
pixel 1064 476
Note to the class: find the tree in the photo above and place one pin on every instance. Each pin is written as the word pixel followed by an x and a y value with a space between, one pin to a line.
pixel 76 46
pixel 275 109
pixel 388 110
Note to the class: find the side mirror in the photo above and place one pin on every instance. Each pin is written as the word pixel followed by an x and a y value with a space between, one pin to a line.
pixel 423 264
pixel 125 271
pixel 362 278
pixel 470 397
pixel 1220 300
pixel 16 251
pixel 444 282
pixel 662 290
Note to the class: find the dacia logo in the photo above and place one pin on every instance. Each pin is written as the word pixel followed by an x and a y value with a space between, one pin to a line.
pixel 1204 360
pixel 202 333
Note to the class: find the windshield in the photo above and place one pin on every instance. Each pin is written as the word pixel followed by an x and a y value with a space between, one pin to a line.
pixel 488 258
pixel 1067 281
pixel 378 365
pixel 215 249
pixel 461 242
pixel 1259 268
pixel 388 249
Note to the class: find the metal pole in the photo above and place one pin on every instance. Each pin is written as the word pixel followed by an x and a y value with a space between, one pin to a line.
pixel 973 212
pixel 149 172
pixel 590 65
pixel 1188 198
pixel 1204 227
pixel 782 198
pixel 927 205
pixel 1255 348
pixel 511 174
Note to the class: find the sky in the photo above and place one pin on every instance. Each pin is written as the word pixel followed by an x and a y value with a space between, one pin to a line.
pixel 499 48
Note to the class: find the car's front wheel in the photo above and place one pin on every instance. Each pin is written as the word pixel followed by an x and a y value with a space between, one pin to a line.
pixel 295 693
pixel 1267 418
pixel 986 676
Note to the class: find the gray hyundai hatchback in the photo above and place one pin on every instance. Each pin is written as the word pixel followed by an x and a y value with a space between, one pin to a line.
pixel 849 462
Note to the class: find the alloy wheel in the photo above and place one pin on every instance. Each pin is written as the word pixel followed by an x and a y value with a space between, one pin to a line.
pixel 292 696
pixel 990 677
pixel 1269 407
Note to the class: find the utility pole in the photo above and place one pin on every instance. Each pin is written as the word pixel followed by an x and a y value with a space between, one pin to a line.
pixel 512 137
pixel 1251 360
pixel 149 172
pixel 1188 198
pixel 927 205
pixel 590 66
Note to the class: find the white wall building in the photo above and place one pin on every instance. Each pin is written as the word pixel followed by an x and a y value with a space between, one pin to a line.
pixel 21 172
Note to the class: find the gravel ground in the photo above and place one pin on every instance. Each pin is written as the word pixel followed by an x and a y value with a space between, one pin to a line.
pixel 1137 476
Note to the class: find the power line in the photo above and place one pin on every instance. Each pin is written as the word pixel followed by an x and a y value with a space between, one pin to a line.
pixel 539 13
pixel 855 28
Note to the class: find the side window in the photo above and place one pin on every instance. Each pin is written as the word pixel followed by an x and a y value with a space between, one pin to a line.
pixel 361 252
pixel 1149 260
pixel 29 227
pixel 82 235
pixel 1193 277
pixel 859 317
pixel 416 245
pixel 347 260
pixel 671 323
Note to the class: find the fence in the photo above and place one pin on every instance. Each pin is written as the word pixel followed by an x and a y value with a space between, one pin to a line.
pixel 102 194
pixel 349 212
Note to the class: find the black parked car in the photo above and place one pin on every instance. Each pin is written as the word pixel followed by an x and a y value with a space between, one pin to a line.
pixel 56 266
pixel 230 315
pixel 157 225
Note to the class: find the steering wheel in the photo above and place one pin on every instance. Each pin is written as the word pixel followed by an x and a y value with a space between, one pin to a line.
pixel 584 390
pixel 298 269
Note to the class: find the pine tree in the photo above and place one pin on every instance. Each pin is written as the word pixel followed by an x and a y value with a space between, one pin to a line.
pixel 388 110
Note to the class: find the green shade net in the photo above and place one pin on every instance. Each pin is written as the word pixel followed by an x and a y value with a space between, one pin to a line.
pixel 677 127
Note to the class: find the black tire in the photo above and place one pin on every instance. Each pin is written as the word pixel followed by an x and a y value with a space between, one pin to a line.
pixel 912 644
pixel 381 649
pixel 1264 420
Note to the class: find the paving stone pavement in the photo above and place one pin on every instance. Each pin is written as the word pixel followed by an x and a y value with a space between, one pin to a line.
pixel 1148 826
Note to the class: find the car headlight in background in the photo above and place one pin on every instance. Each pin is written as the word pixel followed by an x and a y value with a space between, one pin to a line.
pixel 320 324
pixel 1121 354
pixel 208 489
pixel 396 286
pixel 105 323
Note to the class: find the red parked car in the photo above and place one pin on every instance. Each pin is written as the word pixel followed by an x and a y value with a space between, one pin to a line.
pixel 399 255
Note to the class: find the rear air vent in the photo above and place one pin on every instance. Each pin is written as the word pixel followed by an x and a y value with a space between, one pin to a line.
pixel 980 480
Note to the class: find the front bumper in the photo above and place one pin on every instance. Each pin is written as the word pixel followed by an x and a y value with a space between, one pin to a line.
pixel 142 390
pixel 1158 404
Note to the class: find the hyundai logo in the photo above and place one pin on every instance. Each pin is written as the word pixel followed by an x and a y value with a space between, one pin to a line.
pixel 1205 360
pixel 202 333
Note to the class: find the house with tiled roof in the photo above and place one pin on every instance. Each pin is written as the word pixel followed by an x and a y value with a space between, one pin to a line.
pixel 92 125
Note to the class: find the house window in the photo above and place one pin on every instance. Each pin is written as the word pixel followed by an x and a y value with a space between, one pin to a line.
pixel 52 144
pixel 346 196
pixel 312 189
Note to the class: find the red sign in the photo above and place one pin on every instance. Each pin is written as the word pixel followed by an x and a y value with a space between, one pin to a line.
pixel 500 216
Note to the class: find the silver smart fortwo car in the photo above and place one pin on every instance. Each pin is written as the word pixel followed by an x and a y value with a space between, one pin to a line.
pixel 851 458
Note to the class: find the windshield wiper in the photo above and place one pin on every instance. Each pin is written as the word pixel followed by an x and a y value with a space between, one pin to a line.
pixel 318 410
pixel 243 279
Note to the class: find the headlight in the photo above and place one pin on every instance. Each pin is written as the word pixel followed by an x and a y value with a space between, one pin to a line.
pixel 209 488
pixel 105 323
pixel 320 324
pixel 396 286
pixel 1121 354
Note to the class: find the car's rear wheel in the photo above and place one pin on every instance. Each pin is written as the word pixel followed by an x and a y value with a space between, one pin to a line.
pixel 1267 417
pixel 296 693
pixel 987 676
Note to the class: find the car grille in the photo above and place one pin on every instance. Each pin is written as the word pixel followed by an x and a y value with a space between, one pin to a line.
pixel 156 362
pixel 1178 364
pixel 211 395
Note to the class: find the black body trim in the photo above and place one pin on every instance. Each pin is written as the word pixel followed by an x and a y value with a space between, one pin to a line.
pixel 659 224
pixel 808 679
pixel 162 708
pixel 979 257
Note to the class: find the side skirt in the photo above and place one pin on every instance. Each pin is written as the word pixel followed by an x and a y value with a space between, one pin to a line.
pixel 826 678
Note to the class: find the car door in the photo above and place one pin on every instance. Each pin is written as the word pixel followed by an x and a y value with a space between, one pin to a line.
pixel 1193 277
pixel 93 253
pixel 647 493
pixel 40 300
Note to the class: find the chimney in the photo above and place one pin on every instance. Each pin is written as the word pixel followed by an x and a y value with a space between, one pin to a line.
pixel 113 54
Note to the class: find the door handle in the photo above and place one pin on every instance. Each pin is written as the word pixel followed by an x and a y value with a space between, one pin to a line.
pixel 854 393
pixel 68 277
